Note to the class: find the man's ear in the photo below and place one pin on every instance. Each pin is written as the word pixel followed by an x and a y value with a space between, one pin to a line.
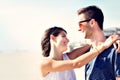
pixel 92 22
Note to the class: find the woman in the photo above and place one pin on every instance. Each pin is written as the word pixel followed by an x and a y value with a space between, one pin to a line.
pixel 57 66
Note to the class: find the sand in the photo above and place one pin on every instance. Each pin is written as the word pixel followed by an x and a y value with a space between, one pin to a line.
pixel 24 65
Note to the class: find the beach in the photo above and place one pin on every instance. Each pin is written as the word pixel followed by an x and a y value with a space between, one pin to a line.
pixel 24 65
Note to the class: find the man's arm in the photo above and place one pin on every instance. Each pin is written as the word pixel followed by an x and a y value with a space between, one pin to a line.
pixel 78 51
pixel 117 78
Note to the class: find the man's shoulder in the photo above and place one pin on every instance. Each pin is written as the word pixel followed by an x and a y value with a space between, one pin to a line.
pixel 110 48
pixel 110 51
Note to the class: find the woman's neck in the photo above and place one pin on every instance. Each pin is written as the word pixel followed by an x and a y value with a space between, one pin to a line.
pixel 56 54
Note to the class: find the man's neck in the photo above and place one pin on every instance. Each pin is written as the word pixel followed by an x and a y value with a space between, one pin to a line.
pixel 97 38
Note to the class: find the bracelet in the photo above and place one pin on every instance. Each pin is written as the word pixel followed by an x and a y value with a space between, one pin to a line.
pixel 97 50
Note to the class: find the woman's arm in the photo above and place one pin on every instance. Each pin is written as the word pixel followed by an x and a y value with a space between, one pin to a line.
pixel 51 65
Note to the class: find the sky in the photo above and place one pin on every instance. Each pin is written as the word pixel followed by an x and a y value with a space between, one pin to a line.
pixel 22 22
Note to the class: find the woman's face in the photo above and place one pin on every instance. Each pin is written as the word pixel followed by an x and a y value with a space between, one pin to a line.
pixel 62 41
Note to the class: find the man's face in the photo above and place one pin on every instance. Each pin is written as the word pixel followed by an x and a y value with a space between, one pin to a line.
pixel 84 26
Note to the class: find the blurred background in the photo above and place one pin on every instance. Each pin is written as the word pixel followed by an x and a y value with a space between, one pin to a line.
pixel 22 23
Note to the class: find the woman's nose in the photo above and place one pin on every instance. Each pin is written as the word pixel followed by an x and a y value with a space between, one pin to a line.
pixel 67 39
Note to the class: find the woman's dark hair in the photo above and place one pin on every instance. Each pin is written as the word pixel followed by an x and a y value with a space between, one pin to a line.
pixel 45 42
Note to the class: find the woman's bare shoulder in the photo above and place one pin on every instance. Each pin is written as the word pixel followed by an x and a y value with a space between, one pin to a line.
pixel 45 62
pixel 44 65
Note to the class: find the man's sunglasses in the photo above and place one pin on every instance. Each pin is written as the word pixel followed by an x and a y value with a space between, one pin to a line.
pixel 84 21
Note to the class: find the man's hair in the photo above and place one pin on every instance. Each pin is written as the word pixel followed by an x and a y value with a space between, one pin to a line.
pixel 93 12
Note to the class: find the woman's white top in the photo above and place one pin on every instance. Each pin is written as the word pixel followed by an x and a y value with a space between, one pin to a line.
pixel 61 75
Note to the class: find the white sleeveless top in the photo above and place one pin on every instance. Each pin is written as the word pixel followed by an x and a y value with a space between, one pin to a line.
pixel 61 75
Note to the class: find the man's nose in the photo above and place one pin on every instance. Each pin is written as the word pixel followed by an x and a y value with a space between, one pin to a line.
pixel 80 27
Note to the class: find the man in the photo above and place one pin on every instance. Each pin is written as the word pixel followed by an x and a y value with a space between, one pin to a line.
pixel 105 66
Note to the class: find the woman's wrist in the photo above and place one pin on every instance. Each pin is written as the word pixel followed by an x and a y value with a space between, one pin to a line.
pixel 100 48
pixel 97 50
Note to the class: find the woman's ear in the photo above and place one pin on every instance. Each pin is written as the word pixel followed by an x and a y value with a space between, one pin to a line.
pixel 52 37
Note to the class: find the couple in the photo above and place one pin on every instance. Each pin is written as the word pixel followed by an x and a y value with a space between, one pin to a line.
pixel 100 56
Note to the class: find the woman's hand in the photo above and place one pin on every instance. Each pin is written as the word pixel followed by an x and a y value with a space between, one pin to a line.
pixel 113 39
pixel 117 45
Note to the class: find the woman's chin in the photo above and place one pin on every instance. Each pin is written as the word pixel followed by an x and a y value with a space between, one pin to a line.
pixel 65 49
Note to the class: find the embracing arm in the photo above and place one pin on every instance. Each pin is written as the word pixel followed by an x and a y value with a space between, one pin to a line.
pixel 78 51
pixel 51 65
